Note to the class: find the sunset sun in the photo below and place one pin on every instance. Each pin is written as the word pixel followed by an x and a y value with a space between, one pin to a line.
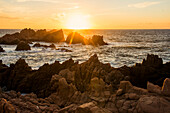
pixel 78 21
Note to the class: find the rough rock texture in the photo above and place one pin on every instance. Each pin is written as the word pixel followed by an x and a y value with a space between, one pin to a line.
pixel 1 49
pixel 80 88
pixel 22 46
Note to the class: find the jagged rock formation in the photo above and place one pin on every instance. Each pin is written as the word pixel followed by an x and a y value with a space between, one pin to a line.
pixel 31 35
pixel 88 87
pixel 22 46
pixel 1 49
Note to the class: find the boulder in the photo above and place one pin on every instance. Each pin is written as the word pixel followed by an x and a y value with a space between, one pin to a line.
pixel 23 46
pixel 45 46
pixel 97 40
pixel 1 49
pixel 74 38
pixel 125 86
pixel 166 87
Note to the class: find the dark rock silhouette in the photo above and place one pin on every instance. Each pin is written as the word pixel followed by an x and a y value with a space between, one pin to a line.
pixel 75 38
pixel 1 49
pixel 97 40
pixel 23 46
pixel 10 39
pixel 46 46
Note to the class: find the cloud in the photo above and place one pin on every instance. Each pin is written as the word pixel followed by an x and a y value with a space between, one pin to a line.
pixel 143 4
pixel 8 17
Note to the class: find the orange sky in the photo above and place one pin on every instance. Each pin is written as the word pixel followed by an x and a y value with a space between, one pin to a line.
pixel 85 14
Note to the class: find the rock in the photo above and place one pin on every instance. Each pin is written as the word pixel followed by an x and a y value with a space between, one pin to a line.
pixel 10 39
pixel 125 86
pixel 119 92
pixel 1 49
pixel 97 40
pixel 97 87
pixel 74 38
pixel 66 73
pixel 55 36
pixel 85 108
pixel 27 33
pixel 153 104
pixel 166 87
pixel 6 107
pixel 45 46
pixel 64 50
pixel 22 46
pixel 153 61
pixel 153 88
pixel 133 96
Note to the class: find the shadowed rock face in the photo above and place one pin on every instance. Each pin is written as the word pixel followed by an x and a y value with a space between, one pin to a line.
pixel 88 87
pixel 45 46
pixel 23 46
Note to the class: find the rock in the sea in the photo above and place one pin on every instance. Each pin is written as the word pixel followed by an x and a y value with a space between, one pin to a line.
pixel 10 39
pixel 54 36
pixel 23 46
pixel 1 49
pixel 74 38
pixel 166 87
pixel 27 33
pixel 45 46
pixel 97 40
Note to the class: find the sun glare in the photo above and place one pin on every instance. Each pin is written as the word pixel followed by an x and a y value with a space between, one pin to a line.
pixel 78 21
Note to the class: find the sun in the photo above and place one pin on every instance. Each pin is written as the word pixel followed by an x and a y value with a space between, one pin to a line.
pixel 78 21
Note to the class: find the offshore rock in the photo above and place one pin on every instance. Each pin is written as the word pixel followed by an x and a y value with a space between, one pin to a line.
pixel 23 46
pixel 97 40
pixel 75 38
pixel 1 49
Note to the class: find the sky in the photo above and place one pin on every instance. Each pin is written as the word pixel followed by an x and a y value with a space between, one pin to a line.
pixel 85 14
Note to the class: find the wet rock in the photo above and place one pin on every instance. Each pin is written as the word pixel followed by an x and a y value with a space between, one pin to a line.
pixel 153 88
pixel 166 87
pixel 22 46
pixel 1 49
pixel 64 50
pixel 74 38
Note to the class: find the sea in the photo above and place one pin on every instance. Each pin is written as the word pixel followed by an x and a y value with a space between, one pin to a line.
pixel 125 47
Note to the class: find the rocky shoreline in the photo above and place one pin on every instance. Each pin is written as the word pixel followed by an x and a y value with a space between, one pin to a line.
pixel 90 87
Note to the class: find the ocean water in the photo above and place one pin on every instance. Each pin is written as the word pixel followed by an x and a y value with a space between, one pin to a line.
pixel 125 47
